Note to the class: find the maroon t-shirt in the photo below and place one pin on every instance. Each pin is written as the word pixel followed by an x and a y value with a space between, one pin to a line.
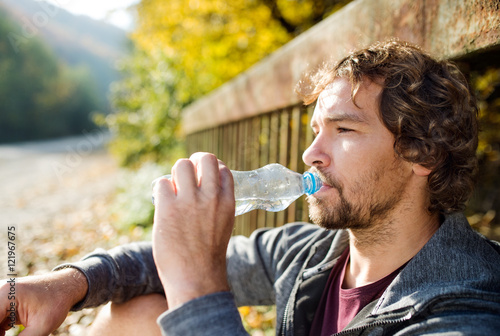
pixel 338 306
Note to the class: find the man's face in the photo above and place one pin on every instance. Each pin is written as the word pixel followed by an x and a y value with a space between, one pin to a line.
pixel 353 153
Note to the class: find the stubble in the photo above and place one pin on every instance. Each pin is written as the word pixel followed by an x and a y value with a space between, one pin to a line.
pixel 369 207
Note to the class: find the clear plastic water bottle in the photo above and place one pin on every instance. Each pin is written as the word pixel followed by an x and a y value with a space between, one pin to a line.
pixel 271 188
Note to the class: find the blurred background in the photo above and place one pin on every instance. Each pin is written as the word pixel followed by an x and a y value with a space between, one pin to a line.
pixel 92 95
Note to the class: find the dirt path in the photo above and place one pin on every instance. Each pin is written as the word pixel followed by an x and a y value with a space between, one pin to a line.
pixel 39 180
pixel 57 194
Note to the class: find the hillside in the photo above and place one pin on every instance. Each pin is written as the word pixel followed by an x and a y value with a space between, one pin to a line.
pixel 77 40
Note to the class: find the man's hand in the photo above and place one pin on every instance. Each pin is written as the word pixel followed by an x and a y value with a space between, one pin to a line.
pixel 41 303
pixel 193 222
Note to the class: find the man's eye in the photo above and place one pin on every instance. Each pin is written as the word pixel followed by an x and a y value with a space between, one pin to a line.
pixel 343 130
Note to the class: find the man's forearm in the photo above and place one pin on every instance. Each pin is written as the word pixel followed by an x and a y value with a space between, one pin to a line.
pixel 117 275
pixel 72 283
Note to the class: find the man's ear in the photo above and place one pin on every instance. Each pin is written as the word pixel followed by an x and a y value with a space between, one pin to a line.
pixel 421 170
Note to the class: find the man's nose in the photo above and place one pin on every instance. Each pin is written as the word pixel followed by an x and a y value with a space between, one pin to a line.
pixel 315 155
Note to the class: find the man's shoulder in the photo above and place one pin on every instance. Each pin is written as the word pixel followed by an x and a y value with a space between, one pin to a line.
pixel 457 253
pixel 457 236
pixel 296 233
pixel 457 262
pixel 288 243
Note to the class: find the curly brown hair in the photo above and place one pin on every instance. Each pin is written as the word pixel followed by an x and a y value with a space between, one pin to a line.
pixel 428 106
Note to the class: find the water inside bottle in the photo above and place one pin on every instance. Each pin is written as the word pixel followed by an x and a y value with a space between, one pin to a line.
pixel 249 204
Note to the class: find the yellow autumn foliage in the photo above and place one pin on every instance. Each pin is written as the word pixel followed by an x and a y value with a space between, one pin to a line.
pixel 212 41
pixel 183 49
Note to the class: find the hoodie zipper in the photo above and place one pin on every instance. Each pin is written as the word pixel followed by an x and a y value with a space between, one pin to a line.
pixel 294 291
pixel 285 314
pixel 374 324
pixel 312 252
pixel 351 330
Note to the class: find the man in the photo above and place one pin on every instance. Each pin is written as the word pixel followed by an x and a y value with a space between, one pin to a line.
pixel 395 144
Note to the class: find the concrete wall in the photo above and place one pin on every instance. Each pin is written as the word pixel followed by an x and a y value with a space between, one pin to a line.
pixel 445 28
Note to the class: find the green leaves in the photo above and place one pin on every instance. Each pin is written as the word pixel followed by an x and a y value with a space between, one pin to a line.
pixel 147 104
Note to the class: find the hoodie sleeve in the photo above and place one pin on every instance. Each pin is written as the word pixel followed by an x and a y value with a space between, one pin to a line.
pixel 117 275
pixel 212 315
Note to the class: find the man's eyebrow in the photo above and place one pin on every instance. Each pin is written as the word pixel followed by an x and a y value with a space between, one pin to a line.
pixel 345 116
pixel 342 116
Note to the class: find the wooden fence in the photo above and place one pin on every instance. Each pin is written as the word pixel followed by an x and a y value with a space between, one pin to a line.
pixel 278 136
pixel 256 118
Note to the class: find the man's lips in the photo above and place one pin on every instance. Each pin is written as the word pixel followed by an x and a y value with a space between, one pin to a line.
pixel 324 188
pixel 327 184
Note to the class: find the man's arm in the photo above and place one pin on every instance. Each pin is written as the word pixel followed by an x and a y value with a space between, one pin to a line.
pixel 194 219
pixel 118 274
pixel 40 303
pixel 193 222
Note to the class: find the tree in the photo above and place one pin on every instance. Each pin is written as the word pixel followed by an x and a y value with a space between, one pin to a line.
pixel 39 96
pixel 212 41
pixel 485 204
pixel 202 44
pixel 146 105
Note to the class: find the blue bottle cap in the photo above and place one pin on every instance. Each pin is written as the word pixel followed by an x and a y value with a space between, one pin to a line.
pixel 312 183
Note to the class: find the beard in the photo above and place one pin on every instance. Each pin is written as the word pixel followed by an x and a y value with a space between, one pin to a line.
pixel 369 209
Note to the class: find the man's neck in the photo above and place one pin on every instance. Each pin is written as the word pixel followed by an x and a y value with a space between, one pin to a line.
pixel 377 252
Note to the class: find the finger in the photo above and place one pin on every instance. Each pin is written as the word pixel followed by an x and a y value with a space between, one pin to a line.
pixel 208 170
pixel 3 327
pixel 7 316
pixel 28 331
pixel 227 184
pixel 184 176
pixel 164 191
pixel 226 178
pixel 6 323
pixel 196 159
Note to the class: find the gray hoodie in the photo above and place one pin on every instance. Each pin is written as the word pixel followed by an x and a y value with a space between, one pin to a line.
pixel 452 286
